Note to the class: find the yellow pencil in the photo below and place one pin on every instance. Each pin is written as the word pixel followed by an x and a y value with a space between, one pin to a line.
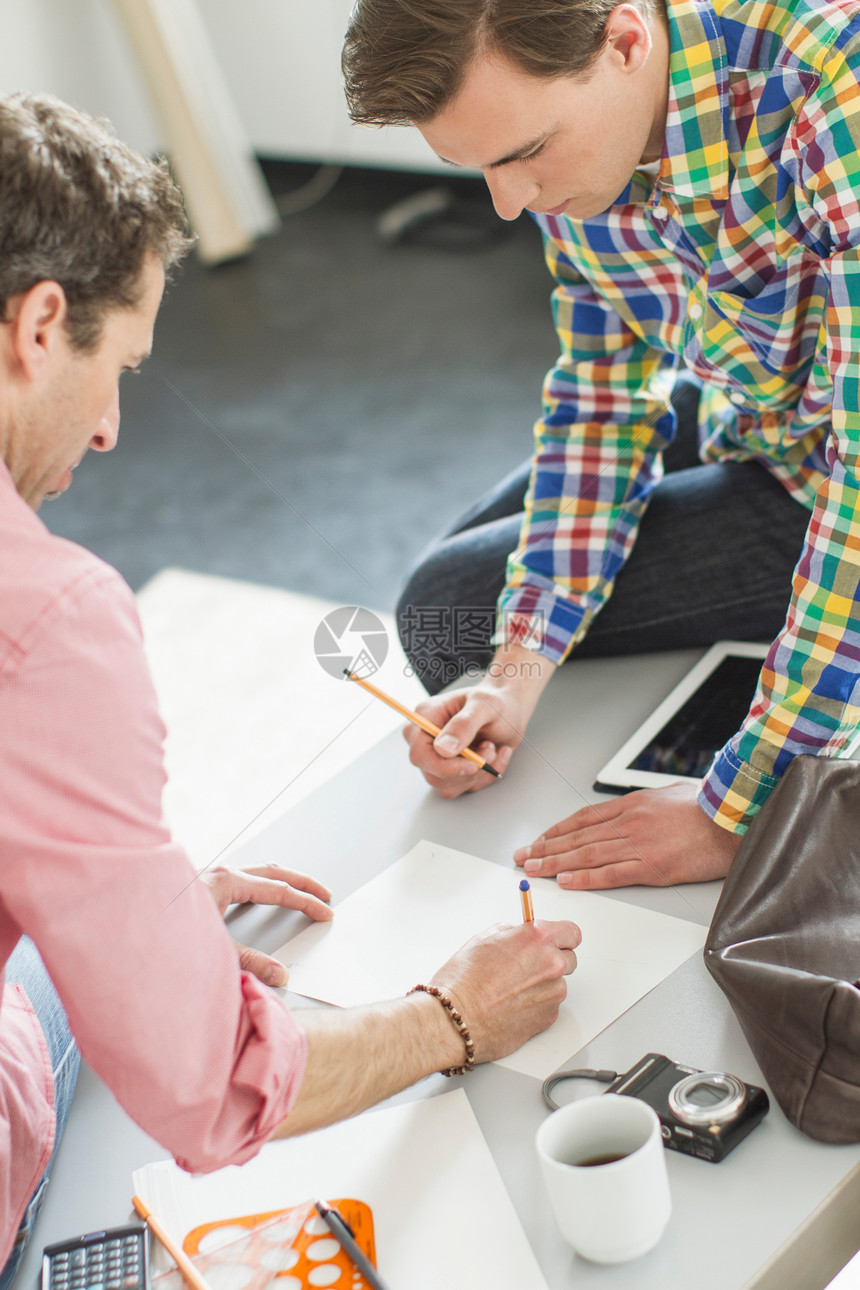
pixel 418 720
pixel 182 1261
pixel 526 898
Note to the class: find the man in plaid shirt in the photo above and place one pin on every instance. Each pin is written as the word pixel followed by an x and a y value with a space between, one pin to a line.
pixel 695 172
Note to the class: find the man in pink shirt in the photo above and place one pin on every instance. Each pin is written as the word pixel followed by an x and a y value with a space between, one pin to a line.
pixel 110 944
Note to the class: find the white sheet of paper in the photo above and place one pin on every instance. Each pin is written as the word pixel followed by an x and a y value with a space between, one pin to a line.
pixel 441 1214
pixel 400 927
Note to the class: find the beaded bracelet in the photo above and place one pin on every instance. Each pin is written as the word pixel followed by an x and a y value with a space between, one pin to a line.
pixel 457 1019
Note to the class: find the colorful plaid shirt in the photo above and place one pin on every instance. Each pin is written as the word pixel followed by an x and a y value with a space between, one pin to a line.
pixel 742 258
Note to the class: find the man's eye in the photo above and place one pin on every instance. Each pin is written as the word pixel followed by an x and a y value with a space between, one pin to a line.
pixel 536 153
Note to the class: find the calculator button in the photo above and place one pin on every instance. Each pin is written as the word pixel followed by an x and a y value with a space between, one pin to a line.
pixel 77 1258
pixel 130 1282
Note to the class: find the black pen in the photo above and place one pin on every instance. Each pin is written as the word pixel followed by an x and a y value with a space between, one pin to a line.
pixel 343 1233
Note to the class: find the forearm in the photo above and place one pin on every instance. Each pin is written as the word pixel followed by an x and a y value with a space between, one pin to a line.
pixel 520 674
pixel 806 700
pixel 591 485
pixel 606 419
pixel 361 1056
pixel 507 983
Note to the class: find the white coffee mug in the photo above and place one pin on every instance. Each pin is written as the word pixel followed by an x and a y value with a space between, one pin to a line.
pixel 604 1166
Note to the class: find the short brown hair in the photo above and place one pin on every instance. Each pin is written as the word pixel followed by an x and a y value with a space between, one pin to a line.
pixel 405 60
pixel 79 207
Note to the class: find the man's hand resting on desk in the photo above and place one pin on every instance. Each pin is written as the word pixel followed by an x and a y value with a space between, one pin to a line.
pixel 654 838
pixel 267 884
pixel 490 718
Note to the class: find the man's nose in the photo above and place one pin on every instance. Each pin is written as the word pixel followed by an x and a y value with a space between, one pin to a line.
pixel 105 437
pixel 511 193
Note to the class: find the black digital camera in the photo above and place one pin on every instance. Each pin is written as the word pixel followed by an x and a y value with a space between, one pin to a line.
pixel 703 1113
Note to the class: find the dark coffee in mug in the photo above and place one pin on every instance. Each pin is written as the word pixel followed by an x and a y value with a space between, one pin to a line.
pixel 607 1158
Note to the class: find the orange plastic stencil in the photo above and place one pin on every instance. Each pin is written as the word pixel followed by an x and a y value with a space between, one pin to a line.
pixel 287 1249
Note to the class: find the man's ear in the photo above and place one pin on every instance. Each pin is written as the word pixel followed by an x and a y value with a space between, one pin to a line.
pixel 37 323
pixel 628 36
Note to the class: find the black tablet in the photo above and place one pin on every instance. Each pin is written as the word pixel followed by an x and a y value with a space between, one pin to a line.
pixel 681 737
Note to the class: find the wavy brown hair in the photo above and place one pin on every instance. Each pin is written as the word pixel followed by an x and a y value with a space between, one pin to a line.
pixel 404 60
pixel 81 208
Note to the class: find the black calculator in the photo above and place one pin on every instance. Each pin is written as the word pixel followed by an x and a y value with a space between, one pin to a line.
pixel 113 1260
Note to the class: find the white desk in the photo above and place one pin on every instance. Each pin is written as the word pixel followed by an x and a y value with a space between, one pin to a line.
pixel 781 1211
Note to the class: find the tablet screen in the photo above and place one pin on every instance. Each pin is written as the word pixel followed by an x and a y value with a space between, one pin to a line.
pixel 683 734
pixel 690 739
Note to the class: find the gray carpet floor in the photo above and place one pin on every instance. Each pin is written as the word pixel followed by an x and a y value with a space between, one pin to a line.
pixel 314 414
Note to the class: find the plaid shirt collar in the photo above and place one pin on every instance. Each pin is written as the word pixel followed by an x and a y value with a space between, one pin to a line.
pixel 695 159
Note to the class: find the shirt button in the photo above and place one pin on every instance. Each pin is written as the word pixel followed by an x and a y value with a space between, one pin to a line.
pixel 696 310
pixel 660 212
pixel 737 397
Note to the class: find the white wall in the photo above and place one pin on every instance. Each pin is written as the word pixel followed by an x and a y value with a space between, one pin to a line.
pixel 281 59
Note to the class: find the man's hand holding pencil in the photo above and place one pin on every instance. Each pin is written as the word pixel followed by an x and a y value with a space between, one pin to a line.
pixel 510 982
pixel 489 718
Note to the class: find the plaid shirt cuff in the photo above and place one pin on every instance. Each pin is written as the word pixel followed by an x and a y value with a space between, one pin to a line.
pixel 540 621
pixel 733 792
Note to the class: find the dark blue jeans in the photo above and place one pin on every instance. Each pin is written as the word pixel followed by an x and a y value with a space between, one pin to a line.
pixel 26 969
pixel 713 560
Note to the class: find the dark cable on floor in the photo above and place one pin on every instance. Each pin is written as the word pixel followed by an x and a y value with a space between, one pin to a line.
pixel 317 187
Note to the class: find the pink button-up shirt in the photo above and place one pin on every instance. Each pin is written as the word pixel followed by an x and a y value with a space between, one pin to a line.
pixel 202 1056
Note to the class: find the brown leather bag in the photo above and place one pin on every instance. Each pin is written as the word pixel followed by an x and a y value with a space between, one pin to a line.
pixel 784 945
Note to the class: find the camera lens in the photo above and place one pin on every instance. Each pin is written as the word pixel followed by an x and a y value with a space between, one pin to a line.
pixel 708 1097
